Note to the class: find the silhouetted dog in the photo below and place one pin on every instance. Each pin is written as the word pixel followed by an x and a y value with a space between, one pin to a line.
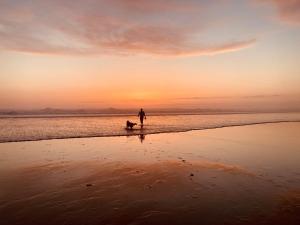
pixel 130 124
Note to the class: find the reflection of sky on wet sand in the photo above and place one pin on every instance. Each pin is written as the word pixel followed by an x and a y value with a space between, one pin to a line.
pixel 239 175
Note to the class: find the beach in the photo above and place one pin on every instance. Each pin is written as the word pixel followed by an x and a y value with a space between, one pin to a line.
pixel 233 175
pixel 149 112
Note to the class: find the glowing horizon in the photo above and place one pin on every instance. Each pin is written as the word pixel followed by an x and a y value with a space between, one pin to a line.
pixel 128 53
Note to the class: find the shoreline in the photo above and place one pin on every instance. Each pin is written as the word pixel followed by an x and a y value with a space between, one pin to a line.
pixel 78 115
pixel 152 133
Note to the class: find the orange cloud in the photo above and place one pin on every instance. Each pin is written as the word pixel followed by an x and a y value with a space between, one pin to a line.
pixel 110 27
pixel 157 6
pixel 289 10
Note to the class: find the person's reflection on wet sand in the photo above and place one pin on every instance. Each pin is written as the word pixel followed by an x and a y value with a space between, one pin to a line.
pixel 142 137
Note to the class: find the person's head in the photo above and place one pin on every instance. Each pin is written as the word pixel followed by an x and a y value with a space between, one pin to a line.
pixel 141 109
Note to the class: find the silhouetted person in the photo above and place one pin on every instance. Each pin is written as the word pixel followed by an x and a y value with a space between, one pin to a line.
pixel 142 116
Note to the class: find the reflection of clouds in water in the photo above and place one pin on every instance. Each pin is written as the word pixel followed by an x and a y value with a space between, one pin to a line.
pixel 188 177
pixel 125 172
pixel 137 189
pixel 289 201
pixel 223 167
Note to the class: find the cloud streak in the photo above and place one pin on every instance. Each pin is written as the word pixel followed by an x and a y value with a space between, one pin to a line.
pixel 231 97
pixel 168 28
pixel 289 10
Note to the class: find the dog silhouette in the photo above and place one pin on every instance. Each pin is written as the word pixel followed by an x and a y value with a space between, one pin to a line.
pixel 129 124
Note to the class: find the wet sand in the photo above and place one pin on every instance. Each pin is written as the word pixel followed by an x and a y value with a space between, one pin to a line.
pixel 235 175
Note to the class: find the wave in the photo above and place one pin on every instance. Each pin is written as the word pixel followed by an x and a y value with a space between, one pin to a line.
pixel 135 132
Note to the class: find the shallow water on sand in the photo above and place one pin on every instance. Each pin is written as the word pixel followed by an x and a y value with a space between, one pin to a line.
pixel 237 175
pixel 57 127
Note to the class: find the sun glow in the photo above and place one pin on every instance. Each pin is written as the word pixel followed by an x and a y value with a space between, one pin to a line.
pixel 94 56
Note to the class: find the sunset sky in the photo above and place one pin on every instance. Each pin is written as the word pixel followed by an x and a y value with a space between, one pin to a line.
pixel 158 53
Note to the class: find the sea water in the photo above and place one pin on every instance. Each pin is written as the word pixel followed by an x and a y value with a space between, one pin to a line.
pixel 30 128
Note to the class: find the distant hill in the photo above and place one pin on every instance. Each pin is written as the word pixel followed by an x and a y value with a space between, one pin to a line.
pixel 129 111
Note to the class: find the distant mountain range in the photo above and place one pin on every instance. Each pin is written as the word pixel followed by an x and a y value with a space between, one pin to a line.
pixel 130 111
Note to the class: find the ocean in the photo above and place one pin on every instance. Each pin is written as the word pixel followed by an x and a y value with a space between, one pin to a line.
pixel 32 128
